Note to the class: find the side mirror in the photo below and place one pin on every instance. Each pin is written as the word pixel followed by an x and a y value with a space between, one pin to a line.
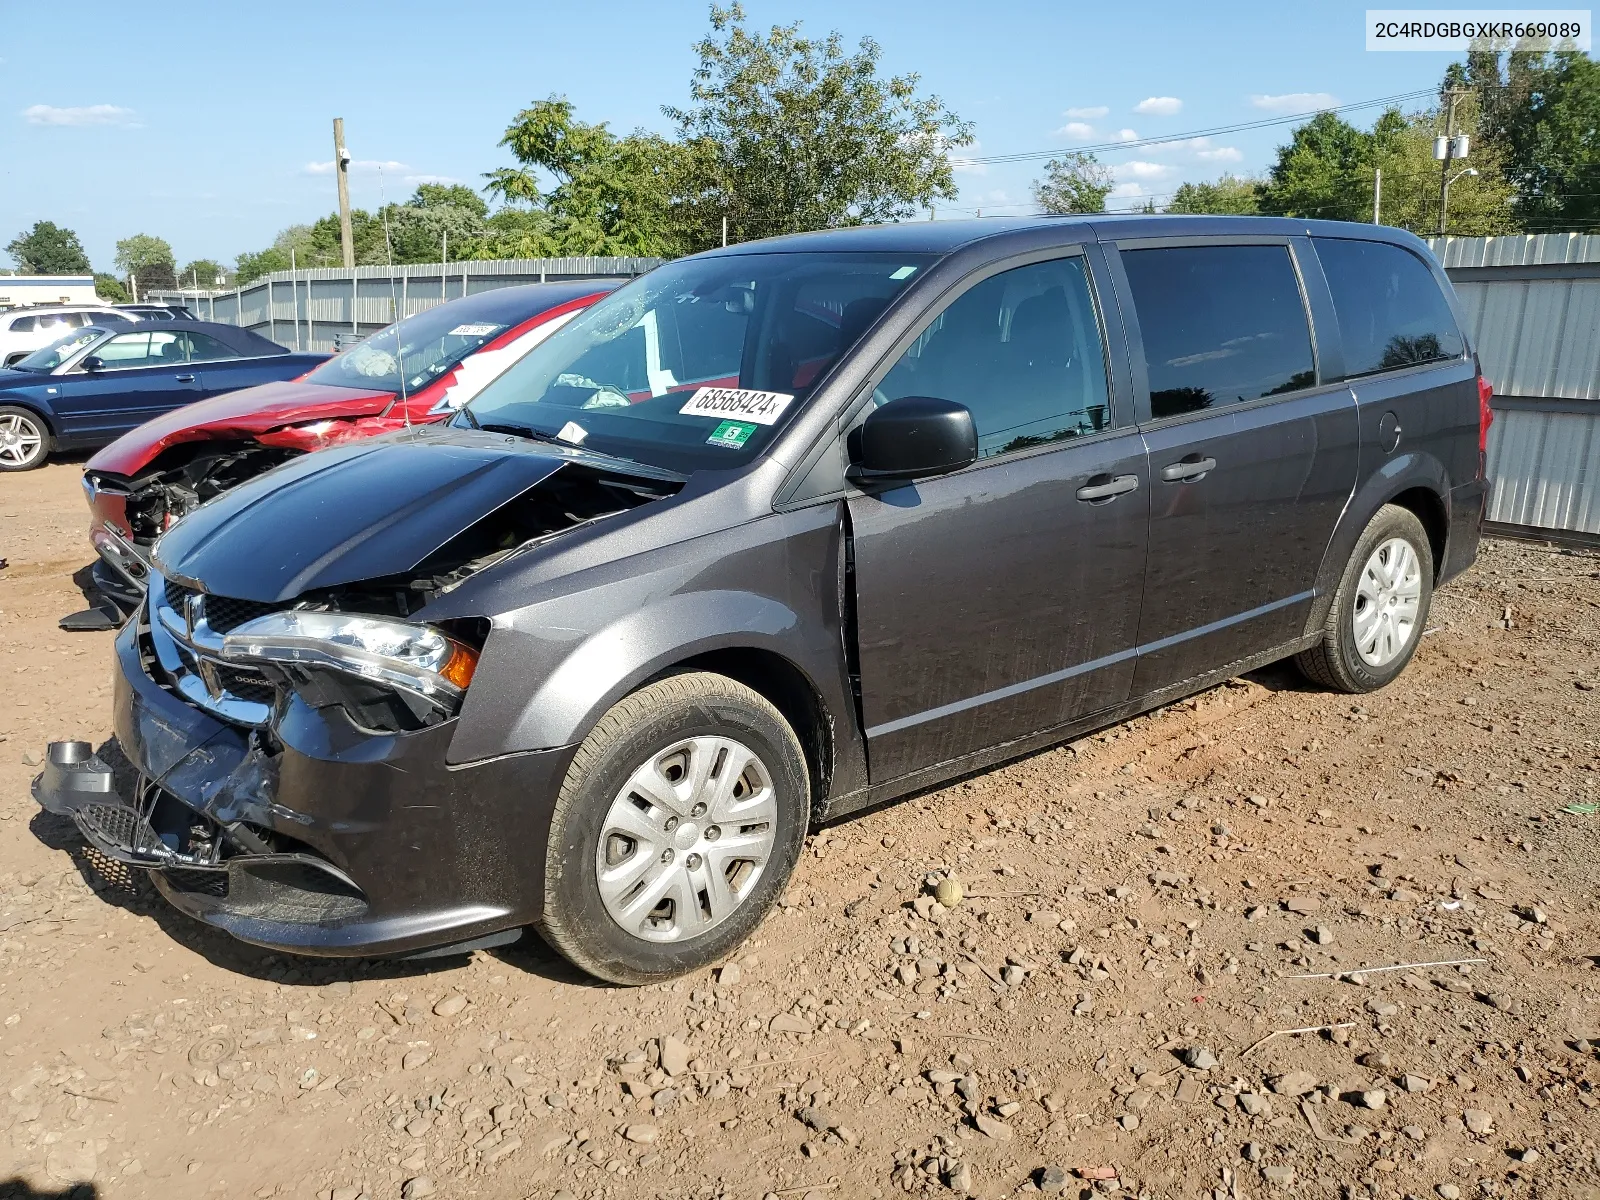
pixel 912 437
pixel 93 363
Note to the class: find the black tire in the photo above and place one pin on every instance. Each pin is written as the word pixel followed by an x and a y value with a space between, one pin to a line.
pixel 1336 662
pixel 576 921
pixel 31 425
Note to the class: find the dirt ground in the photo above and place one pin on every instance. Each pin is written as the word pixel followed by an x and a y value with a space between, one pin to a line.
pixel 1149 915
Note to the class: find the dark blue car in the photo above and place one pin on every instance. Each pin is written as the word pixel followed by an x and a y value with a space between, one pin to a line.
pixel 93 385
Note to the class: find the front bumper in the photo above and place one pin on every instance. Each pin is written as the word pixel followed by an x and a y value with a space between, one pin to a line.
pixel 123 569
pixel 376 846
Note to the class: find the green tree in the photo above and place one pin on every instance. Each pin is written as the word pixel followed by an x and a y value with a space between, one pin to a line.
pixel 453 195
pixel 785 133
pixel 514 232
pixel 1325 171
pixel 203 272
pixel 149 260
pixel 1230 194
pixel 1541 113
pixel 611 196
pixel 109 287
pixel 48 249
pixel 1074 183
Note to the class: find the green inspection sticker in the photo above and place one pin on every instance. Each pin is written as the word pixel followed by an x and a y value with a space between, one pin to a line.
pixel 732 434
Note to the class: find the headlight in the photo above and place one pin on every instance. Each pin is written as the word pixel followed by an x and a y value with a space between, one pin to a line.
pixel 415 658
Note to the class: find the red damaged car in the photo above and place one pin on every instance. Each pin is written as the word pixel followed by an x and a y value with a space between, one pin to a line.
pixel 416 371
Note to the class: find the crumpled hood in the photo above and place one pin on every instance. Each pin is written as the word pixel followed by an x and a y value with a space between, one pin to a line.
pixel 360 511
pixel 244 413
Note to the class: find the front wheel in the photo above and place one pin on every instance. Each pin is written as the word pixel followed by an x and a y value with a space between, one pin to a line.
pixel 1380 608
pixel 24 440
pixel 677 827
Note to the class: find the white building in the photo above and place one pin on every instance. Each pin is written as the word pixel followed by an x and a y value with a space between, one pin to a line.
pixel 18 290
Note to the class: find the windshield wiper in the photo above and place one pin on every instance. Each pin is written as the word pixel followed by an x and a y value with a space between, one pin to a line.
pixel 525 431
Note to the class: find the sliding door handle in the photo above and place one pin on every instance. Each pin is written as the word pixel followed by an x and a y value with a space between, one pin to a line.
pixel 1105 487
pixel 1189 470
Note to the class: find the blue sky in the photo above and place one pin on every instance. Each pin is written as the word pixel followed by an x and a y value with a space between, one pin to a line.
pixel 212 128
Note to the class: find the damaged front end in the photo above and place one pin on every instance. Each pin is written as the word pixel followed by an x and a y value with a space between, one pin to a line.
pixel 289 753
pixel 128 515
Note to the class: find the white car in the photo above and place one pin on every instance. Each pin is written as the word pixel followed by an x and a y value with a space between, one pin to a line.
pixel 24 330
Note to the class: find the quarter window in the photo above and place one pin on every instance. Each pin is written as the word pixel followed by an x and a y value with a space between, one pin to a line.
pixel 1390 309
pixel 205 348
pixel 24 324
pixel 1221 325
pixel 1022 351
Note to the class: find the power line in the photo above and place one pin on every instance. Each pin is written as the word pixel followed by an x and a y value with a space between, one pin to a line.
pixel 1215 131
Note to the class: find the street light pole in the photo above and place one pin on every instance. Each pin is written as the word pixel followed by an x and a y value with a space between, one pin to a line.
pixel 1449 140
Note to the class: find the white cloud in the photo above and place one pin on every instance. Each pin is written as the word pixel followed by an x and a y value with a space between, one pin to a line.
pixel 1159 106
pixel 1296 102
pixel 1093 113
pixel 364 166
pixel 1138 170
pixel 88 114
pixel 1127 135
pixel 1078 131
pixel 1125 191
pixel 1199 148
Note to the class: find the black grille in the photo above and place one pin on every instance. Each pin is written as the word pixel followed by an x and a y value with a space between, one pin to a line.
pixel 122 827
pixel 204 883
pixel 223 613
pixel 177 593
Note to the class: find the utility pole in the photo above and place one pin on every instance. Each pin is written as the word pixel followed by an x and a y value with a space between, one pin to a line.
pixel 341 166
pixel 1377 195
pixel 1449 153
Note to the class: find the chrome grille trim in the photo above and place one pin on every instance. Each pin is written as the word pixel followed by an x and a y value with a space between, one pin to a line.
pixel 189 650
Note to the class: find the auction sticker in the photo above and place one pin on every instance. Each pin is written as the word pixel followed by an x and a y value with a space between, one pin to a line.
pixel 764 408
pixel 474 330
pixel 731 434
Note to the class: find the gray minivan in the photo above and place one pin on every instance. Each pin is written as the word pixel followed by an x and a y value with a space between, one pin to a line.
pixel 769 535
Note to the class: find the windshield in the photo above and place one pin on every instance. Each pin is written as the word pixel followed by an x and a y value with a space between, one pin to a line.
pixel 693 365
pixel 427 345
pixel 48 358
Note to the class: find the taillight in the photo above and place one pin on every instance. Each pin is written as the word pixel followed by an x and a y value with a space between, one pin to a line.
pixel 1485 414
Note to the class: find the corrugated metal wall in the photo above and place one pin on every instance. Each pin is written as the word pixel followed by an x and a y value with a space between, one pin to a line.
pixel 306 309
pixel 1532 308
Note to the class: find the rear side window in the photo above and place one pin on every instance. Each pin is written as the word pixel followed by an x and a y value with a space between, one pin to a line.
pixel 1221 325
pixel 203 348
pixel 24 324
pixel 1390 309
pixel 1022 351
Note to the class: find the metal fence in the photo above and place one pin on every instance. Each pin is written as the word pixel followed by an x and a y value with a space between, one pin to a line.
pixel 310 309
pixel 1532 307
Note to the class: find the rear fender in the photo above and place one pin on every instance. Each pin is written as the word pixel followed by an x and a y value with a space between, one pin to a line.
pixel 1400 474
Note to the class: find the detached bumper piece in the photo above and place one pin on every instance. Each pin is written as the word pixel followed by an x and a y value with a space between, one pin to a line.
pixel 193 855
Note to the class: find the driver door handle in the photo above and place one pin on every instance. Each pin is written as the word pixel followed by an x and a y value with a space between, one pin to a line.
pixel 1188 470
pixel 184 378
pixel 1107 487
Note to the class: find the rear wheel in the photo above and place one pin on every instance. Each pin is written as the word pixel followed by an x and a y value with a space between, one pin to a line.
pixel 24 439
pixel 677 827
pixel 1380 608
